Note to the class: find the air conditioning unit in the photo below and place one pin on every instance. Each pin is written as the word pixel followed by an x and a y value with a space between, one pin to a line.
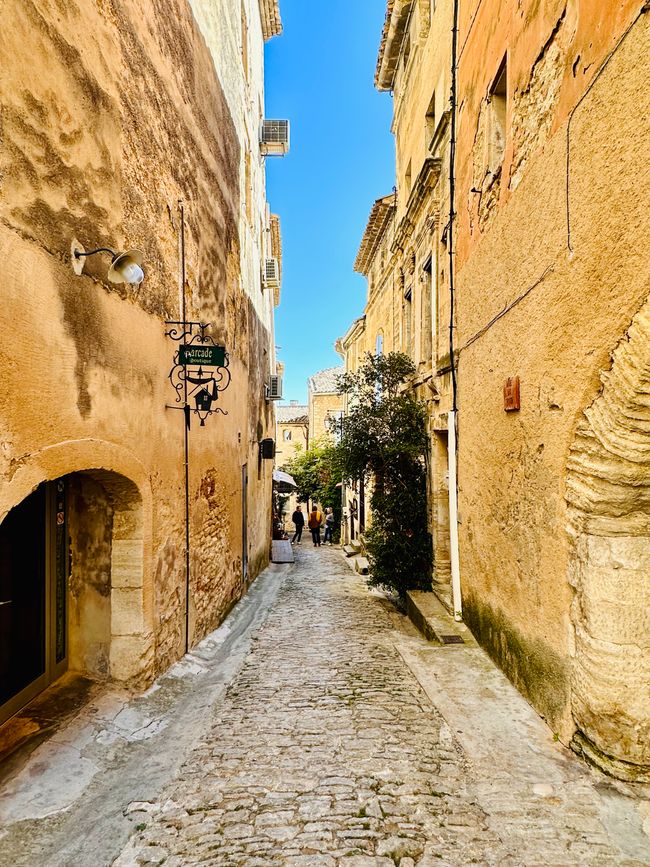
pixel 274 139
pixel 274 387
pixel 271 274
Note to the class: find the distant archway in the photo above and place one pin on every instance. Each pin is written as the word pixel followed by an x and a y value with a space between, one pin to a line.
pixel 608 494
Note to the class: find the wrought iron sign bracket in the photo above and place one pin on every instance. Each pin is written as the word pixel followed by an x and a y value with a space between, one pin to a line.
pixel 200 371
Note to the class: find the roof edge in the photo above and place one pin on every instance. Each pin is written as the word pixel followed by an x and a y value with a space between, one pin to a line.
pixel 271 20
pixel 380 213
pixel 397 14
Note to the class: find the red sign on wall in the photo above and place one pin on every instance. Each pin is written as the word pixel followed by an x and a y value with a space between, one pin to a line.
pixel 511 394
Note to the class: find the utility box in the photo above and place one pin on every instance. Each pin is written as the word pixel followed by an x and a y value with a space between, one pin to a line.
pixel 267 449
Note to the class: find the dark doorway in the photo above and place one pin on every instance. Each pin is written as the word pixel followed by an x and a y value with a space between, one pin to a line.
pixel 22 596
pixel 33 587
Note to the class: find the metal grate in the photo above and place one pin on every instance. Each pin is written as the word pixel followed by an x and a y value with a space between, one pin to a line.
pixel 275 131
pixel 451 639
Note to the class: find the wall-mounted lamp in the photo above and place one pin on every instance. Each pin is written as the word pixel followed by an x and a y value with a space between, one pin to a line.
pixel 124 268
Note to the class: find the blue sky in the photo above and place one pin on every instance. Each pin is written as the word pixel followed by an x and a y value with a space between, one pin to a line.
pixel 319 74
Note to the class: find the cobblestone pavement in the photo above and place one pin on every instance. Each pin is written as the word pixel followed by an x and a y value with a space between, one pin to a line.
pixel 325 750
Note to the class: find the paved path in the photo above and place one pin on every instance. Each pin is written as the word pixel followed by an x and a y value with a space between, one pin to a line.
pixel 326 750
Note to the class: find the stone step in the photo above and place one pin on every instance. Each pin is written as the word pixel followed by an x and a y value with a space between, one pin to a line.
pixel 361 565
pixel 356 545
pixel 433 620
pixel 349 551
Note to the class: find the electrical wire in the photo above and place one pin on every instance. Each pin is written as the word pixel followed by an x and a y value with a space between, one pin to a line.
pixel 506 309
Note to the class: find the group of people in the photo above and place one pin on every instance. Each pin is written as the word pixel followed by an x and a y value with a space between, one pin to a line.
pixel 315 521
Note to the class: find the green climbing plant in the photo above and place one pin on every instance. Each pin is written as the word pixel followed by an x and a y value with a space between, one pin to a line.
pixel 384 440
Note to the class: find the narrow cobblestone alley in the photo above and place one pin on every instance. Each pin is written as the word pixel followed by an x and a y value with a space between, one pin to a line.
pixel 326 751
pixel 323 748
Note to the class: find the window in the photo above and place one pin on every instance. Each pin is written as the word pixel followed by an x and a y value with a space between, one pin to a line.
pixel 286 436
pixel 408 298
pixel 430 120
pixel 407 179
pixel 406 48
pixel 497 114
pixel 426 324
pixel 379 344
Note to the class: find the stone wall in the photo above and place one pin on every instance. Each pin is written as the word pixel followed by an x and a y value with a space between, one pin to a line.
pixel 322 407
pixel 608 492
pixel 112 113
pixel 548 284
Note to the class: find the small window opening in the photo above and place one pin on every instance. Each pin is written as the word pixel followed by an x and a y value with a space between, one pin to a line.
pixel 408 325
pixel 431 120
pixel 498 109
pixel 407 49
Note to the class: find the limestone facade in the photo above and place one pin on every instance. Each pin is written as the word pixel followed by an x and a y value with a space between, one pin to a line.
pixel 325 403
pixel 552 281
pixel 292 436
pixel 113 114
pixel 550 233
pixel 292 427
pixel 403 253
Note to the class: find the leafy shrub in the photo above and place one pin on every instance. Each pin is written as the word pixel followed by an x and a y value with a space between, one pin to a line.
pixel 384 440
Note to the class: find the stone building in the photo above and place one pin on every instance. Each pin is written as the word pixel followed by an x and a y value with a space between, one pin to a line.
pixel 292 431
pixel 550 328
pixel 553 194
pixel 403 252
pixel 129 126
pixel 292 435
pixel 325 403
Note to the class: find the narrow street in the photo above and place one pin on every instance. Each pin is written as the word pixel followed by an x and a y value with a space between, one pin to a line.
pixel 298 734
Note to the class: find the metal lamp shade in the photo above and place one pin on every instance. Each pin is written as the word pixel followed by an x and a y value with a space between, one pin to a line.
pixel 130 257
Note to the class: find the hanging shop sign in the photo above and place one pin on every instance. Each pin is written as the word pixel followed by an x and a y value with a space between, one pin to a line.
pixel 202 355
pixel 200 371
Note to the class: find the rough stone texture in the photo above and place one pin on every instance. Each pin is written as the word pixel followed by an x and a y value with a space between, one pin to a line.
pixel 89 597
pixel 608 491
pixel 112 112
pixel 326 750
pixel 535 104
pixel 547 293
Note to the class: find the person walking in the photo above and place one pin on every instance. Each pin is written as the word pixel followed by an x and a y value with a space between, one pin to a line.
pixel 329 526
pixel 314 522
pixel 298 522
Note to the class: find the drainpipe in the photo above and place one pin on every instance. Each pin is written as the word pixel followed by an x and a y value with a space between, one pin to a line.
pixel 453 474
pixel 456 596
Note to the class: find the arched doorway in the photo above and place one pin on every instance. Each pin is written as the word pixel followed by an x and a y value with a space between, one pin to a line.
pixel 608 494
pixel 71 584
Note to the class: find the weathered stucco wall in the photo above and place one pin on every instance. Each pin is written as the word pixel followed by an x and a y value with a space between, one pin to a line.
pixel 548 284
pixel 112 112
pixel 322 409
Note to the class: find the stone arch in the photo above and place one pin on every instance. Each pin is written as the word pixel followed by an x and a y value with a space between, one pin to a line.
pixel 608 496
pixel 130 655
pixel 128 646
